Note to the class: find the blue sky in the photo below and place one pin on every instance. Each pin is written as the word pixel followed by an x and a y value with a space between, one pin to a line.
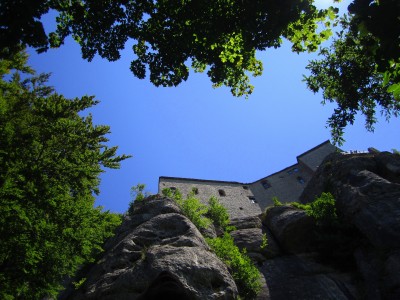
pixel 195 131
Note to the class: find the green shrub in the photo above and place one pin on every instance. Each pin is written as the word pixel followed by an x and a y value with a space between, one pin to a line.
pixel 229 228
pixel 195 211
pixel 191 207
pixel 138 193
pixel 173 194
pixel 323 209
pixel 167 192
pixel 299 205
pixel 276 201
pixel 264 241
pixel 79 283
pixel 245 274
pixel 218 213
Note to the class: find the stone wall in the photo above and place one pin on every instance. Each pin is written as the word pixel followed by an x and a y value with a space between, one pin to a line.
pixel 250 199
pixel 235 196
pixel 287 185
pixel 315 156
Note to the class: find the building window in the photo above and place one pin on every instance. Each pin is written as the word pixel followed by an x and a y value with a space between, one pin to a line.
pixel 252 199
pixel 241 208
pixel 300 180
pixel 245 187
pixel 265 184
pixel 221 193
pixel 195 190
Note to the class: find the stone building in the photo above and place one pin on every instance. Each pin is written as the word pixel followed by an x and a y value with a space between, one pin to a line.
pixel 248 199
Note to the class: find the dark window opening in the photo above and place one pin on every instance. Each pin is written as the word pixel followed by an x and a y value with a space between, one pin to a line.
pixel 265 184
pixel 252 199
pixel 241 208
pixel 300 180
pixel 221 193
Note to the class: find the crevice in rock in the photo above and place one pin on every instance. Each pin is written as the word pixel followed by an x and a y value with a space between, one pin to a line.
pixel 165 286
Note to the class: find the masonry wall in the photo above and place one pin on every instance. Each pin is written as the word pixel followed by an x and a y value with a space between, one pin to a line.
pixel 248 199
pixel 314 157
pixel 287 185
pixel 235 195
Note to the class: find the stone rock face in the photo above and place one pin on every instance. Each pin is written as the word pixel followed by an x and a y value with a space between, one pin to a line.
pixel 299 277
pixel 249 235
pixel 363 261
pixel 367 192
pixel 372 204
pixel 157 254
pixel 246 222
pixel 291 227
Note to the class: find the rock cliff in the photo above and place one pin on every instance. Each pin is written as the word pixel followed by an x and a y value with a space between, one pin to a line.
pixel 157 253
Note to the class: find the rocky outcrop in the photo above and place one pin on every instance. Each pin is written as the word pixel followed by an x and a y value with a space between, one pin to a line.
pixel 157 253
pixel 302 277
pixel 291 227
pixel 356 258
pixel 250 234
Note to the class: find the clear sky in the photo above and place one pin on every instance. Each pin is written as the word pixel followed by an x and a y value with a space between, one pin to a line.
pixel 195 131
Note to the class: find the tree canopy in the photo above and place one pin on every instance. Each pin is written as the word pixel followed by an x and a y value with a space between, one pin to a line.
pixel 360 71
pixel 221 37
pixel 50 162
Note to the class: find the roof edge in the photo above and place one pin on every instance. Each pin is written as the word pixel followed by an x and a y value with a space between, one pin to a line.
pixel 201 180
pixel 315 148
pixel 249 183
pixel 277 172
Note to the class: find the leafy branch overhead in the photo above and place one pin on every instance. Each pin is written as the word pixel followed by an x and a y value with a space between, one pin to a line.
pixel 360 72
pixel 220 36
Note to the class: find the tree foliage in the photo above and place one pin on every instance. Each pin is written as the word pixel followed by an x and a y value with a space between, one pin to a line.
pixel 221 36
pixel 50 162
pixel 361 70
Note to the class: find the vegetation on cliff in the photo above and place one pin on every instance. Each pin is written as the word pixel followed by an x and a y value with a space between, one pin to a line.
pixel 333 238
pixel 246 275
pixel 243 270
